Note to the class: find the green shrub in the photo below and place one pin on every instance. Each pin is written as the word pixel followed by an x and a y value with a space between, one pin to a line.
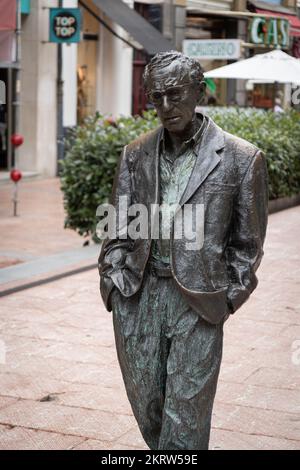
pixel 87 172
pixel 278 135
pixel 93 149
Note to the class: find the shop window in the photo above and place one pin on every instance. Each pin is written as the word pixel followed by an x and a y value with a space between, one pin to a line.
pixel 86 69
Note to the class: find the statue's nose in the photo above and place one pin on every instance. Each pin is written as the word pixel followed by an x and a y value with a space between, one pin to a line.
pixel 166 104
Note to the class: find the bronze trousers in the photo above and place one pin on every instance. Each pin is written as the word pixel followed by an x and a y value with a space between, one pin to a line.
pixel 170 360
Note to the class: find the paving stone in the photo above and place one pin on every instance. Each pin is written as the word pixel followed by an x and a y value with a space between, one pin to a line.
pixel 133 437
pixel 229 440
pixel 257 421
pixel 60 369
pixel 62 333
pixel 48 416
pixel 276 377
pixel 96 397
pixel 15 438
pixel 81 353
pixel 237 372
pixel 92 444
pixel 27 387
pixel 40 203
pixel 6 401
pixel 259 397
pixel 108 376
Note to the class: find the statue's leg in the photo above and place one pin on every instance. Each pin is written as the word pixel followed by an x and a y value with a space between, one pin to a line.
pixel 192 373
pixel 142 353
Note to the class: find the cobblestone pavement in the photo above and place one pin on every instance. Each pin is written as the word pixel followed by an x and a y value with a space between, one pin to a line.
pixel 38 230
pixel 60 384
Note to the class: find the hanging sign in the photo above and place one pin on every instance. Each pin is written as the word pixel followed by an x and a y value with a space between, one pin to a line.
pixel 64 25
pixel 269 31
pixel 212 49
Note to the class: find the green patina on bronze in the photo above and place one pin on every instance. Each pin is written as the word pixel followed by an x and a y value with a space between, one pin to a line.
pixel 175 171
pixel 168 323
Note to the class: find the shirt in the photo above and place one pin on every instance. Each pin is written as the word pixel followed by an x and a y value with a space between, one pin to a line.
pixel 174 172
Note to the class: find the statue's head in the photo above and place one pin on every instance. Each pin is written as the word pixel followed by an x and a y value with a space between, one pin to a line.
pixel 175 86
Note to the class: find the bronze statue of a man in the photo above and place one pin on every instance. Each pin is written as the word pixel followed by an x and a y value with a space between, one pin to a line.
pixel 169 298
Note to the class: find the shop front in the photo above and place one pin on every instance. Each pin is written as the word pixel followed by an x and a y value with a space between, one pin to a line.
pixel 221 38
pixel 7 79
pixel 274 26
pixel 216 38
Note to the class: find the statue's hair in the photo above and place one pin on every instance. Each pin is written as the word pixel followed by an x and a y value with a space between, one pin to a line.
pixel 163 59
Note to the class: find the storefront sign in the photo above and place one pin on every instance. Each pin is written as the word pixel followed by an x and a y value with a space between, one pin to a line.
pixel 65 25
pixel 269 31
pixel 25 7
pixel 213 49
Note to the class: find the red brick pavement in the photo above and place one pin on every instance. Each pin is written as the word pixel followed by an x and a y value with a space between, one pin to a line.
pixel 38 230
pixel 60 384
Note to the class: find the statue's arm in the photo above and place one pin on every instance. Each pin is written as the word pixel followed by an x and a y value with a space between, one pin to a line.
pixel 249 221
pixel 113 251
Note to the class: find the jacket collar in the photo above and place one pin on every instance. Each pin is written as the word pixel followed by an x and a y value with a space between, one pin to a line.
pixel 212 141
pixel 193 142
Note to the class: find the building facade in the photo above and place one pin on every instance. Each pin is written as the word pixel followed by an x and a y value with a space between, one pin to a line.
pixel 96 76
pixel 60 85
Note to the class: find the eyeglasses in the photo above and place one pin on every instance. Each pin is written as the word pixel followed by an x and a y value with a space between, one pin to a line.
pixel 174 94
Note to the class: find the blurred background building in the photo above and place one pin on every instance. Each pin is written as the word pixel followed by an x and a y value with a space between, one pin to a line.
pixel 52 86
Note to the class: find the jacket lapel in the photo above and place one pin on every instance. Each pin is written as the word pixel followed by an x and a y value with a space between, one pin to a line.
pixel 150 167
pixel 207 159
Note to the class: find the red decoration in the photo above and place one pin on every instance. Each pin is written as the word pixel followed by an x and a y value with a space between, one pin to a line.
pixel 15 175
pixel 296 48
pixel 110 122
pixel 17 140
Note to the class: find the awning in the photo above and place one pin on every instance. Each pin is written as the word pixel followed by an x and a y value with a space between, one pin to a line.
pixel 7 47
pixel 274 66
pixel 293 19
pixel 7 15
pixel 140 29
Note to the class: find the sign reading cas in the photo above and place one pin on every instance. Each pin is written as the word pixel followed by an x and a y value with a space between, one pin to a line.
pixel 212 49
pixel 269 31
pixel 64 25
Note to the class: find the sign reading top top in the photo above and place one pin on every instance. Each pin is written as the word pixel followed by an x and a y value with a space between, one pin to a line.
pixel 64 25
pixel 213 49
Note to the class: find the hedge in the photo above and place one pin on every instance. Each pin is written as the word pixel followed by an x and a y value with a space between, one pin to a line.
pixel 93 149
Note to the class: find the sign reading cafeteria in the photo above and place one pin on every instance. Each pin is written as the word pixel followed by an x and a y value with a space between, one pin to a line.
pixel 269 31
pixel 213 49
pixel 65 25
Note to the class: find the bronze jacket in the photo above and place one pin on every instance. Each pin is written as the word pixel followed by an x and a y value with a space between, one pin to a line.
pixel 230 179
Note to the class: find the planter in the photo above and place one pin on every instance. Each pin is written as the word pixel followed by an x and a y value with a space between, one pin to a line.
pixel 282 203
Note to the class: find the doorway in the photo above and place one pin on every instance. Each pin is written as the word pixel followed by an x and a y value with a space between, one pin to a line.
pixel 7 76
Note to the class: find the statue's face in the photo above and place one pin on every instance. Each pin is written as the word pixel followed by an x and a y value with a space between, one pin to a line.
pixel 174 96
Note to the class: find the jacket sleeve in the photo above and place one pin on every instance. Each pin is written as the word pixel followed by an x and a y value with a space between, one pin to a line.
pixel 114 250
pixel 249 221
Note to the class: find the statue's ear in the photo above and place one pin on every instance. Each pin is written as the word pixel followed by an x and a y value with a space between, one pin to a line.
pixel 201 92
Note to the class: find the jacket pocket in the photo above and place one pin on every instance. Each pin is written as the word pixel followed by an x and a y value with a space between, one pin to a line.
pixel 218 201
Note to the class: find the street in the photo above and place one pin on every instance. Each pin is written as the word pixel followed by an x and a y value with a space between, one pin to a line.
pixel 60 384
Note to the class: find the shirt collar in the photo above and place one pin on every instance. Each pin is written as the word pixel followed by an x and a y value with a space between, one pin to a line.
pixel 193 142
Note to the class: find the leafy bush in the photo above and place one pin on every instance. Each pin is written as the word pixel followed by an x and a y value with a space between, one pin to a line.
pixel 278 135
pixel 93 149
pixel 87 172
